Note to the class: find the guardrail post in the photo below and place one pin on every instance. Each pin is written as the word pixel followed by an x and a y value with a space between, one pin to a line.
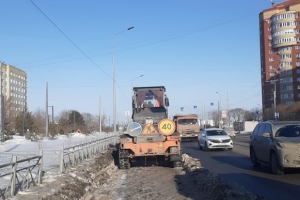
pixel 89 148
pixel 14 174
pixel 40 168
pixel 73 157
pixel 61 169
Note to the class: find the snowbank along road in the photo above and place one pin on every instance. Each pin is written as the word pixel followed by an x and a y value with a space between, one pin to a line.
pixel 100 179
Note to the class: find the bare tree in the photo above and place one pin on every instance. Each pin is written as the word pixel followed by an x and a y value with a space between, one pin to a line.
pixel 237 114
pixel 10 117
pixel 268 114
pixel 215 118
pixel 39 118
pixel 64 126
pixel 88 118
pixel 254 114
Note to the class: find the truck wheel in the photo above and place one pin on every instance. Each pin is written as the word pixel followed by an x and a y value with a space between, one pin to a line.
pixel 174 164
pixel 124 162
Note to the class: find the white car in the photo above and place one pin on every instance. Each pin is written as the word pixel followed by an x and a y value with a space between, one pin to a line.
pixel 214 138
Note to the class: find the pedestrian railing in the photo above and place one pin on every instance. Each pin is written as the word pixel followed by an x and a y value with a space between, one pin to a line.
pixel 22 174
pixel 73 155
pixel 22 170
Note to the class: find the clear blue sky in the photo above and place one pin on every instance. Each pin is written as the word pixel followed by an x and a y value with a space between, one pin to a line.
pixel 194 48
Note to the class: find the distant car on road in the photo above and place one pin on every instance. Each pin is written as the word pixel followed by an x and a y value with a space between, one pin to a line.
pixel 214 138
pixel 276 143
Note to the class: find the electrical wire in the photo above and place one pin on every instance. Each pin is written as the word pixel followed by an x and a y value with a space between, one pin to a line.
pixel 71 40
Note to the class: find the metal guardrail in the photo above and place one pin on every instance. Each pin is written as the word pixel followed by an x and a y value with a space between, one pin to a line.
pixel 71 156
pixel 26 169
pixel 23 173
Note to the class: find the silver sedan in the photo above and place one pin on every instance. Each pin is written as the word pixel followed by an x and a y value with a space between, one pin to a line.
pixel 214 138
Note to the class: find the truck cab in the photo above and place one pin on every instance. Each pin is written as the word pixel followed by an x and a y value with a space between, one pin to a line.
pixel 187 126
pixel 149 103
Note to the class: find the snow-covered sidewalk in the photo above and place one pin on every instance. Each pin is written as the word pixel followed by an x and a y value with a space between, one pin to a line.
pixel 50 148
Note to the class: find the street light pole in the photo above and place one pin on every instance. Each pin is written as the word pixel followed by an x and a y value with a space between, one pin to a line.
pixel 262 114
pixel 47 121
pixel 114 78
pixel 52 107
pixel 219 109
pixel 1 106
pixel 203 113
pixel 100 119
pixel 275 93
pixel 134 79
pixel 275 107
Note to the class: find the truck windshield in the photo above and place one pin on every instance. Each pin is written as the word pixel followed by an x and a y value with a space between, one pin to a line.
pixel 150 98
pixel 187 121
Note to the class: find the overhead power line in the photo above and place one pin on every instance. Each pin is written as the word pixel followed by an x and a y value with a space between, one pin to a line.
pixel 71 40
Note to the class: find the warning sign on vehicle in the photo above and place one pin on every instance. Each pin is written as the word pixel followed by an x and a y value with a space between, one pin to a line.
pixel 166 127
pixel 149 129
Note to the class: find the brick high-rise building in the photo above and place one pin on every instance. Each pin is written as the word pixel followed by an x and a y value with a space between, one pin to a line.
pixel 280 53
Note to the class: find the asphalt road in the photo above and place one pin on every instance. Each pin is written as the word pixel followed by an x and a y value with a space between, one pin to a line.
pixel 235 167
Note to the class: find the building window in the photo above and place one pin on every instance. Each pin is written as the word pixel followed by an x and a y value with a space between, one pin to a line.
pixel 287 87
pixel 286 96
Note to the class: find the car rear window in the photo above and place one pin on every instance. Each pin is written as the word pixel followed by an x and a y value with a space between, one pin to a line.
pixel 215 132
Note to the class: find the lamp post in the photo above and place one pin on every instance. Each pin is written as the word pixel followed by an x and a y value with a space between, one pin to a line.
pixel 135 78
pixel 1 106
pixel 52 107
pixel 219 109
pixel 114 77
pixel 24 110
pixel 276 115
pixel 261 113
pixel 203 113
pixel 100 118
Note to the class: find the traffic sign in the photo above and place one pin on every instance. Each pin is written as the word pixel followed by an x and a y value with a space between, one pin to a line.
pixel 134 129
pixel 148 129
pixel 166 127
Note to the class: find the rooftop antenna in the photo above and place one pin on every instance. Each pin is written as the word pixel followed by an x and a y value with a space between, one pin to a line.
pixel 272 2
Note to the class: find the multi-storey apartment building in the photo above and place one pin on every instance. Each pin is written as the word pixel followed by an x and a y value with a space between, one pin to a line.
pixel 280 53
pixel 14 90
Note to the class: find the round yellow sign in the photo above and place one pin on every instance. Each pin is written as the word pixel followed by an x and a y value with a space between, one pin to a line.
pixel 166 127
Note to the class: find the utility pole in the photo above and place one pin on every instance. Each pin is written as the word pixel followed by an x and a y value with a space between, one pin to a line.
pixel 74 120
pixel 100 118
pixel 47 122
pixel 2 106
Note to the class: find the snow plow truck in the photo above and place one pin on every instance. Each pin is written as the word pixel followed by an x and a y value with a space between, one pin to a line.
pixel 151 134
